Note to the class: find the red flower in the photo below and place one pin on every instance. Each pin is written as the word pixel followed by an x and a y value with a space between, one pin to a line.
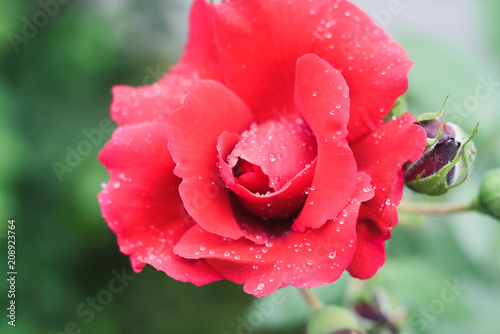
pixel 262 157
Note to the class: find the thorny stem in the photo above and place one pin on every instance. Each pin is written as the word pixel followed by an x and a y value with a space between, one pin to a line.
pixel 311 299
pixel 433 209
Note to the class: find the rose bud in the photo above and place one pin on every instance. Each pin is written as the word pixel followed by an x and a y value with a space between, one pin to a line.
pixel 489 194
pixel 333 319
pixel 447 159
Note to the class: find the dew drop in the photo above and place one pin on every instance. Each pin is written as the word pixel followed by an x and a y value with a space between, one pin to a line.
pixel 260 287
pixel 315 94
pixel 227 253
pixel 332 255
pixel 202 248
pixel 309 262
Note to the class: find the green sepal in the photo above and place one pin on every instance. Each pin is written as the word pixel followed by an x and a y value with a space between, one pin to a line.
pixel 465 164
pixel 432 142
pixel 433 115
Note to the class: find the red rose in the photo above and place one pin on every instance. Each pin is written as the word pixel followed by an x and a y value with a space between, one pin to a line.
pixel 262 157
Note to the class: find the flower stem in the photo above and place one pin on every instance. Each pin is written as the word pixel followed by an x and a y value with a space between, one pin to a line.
pixel 433 209
pixel 311 299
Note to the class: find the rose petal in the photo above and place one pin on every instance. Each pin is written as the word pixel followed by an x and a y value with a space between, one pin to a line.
pixel 141 203
pixel 382 155
pixel 209 109
pixel 258 53
pixel 155 102
pixel 322 98
pixel 370 250
pixel 315 257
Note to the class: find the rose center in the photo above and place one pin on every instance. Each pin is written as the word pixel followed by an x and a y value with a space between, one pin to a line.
pixel 270 167
pixel 271 154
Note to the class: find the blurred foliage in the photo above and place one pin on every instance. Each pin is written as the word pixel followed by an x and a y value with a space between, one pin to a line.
pixel 58 85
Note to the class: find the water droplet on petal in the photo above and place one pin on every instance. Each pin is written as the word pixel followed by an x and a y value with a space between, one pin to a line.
pixel 332 255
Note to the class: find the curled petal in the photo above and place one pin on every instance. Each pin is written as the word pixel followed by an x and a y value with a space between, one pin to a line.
pixel 141 203
pixel 382 155
pixel 323 100
pixel 370 250
pixel 192 134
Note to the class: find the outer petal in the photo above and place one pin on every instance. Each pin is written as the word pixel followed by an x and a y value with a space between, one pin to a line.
pixel 315 257
pixel 141 203
pixel 382 155
pixel 258 52
pixel 155 102
pixel 370 250
pixel 322 98
pixel 209 110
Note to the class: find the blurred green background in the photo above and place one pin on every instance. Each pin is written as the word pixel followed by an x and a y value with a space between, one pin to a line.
pixel 55 85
